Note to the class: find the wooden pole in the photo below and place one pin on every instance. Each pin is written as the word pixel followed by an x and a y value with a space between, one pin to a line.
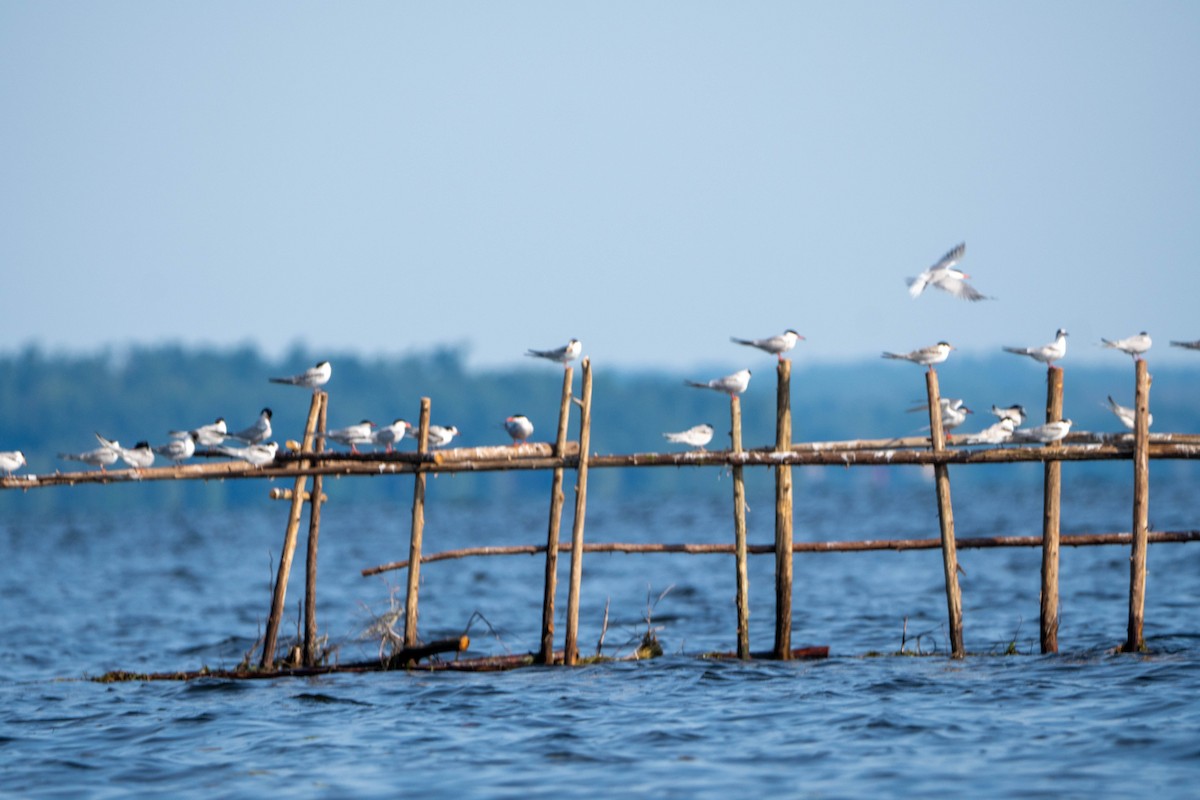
pixel 1141 509
pixel 1051 515
pixel 546 654
pixel 739 534
pixel 279 594
pixel 783 515
pixel 416 533
pixel 314 533
pixel 571 647
pixel 941 473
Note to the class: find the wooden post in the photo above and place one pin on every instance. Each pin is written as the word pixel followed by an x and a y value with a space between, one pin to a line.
pixel 571 647
pixel 1141 509
pixel 739 534
pixel 1051 514
pixel 546 654
pixel 279 594
pixel 314 532
pixel 416 533
pixel 941 473
pixel 783 514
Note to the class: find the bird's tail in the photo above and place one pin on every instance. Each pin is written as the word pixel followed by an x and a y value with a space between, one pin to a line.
pixel 915 287
pixel 1107 343
pixel 536 353
pixel 695 384
pixel 893 355
pixel 736 340
pixel 282 380
pixel 1021 351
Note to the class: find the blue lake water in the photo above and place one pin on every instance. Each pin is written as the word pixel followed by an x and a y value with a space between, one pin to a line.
pixel 160 591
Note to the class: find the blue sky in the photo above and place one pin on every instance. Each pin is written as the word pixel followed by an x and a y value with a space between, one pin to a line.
pixel 648 177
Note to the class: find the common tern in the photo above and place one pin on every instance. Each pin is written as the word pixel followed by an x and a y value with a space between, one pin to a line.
pixel 997 433
pixel 1047 353
pixel 441 435
pixel 944 276
pixel 1187 345
pixel 563 355
pixel 311 378
pixel 255 454
pixel 11 461
pixel 926 356
pixel 390 435
pixel 100 457
pixel 352 435
pixel 519 428
pixel 209 435
pixel 260 431
pixel 730 384
pixel 696 436
pixel 1015 412
pixel 954 413
pixel 1134 346
pixel 139 456
pixel 775 345
pixel 1127 415
pixel 178 449
pixel 1050 432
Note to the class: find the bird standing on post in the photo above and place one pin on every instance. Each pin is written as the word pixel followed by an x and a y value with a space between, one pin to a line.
pixel 926 356
pixel 730 384
pixel 775 345
pixel 1047 353
pixel 311 378
pixel 562 355
pixel 1134 346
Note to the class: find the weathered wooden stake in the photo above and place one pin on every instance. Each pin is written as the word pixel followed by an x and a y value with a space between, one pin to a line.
pixel 1051 515
pixel 416 534
pixel 279 594
pixel 739 534
pixel 941 473
pixel 571 647
pixel 1141 509
pixel 546 654
pixel 314 533
pixel 783 514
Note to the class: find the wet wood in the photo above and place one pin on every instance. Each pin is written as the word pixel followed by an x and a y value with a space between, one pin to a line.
pixel 1051 513
pixel 571 646
pixel 798 653
pixel 314 533
pixel 783 513
pixel 416 534
pixel 1135 641
pixel 739 534
pixel 941 475
pixel 550 584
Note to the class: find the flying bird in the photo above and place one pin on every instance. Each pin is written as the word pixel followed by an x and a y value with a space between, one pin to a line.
pixel 139 456
pixel 440 436
pixel 775 345
pixel 946 277
pixel 259 432
pixel 352 435
pixel 563 355
pixel 390 435
pixel 730 384
pixel 1128 416
pixel 696 436
pixel 257 455
pixel 926 356
pixel 519 428
pixel 178 449
pixel 11 461
pixel 1050 432
pixel 1015 412
pixel 1187 345
pixel 209 435
pixel 1047 353
pixel 311 378
pixel 1131 345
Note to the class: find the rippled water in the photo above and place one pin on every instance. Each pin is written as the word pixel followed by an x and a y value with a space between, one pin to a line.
pixel 166 591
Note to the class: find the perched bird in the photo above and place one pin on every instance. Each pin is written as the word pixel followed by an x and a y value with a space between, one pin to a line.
pixel 1015 412
pixel 1132 345
pixel 11 461
pixel 1128 416
pixel 352 435
pixel 926 356
pixel 775 345
pixel 954 413
pixel 260 431
pixel 563 355
pixel 696 436
pixel 1188 345
pixel 255 454
pixel 997 433
pixel 440 436
pixel 390 435
pixel 1050 432
pixel 178 449
pixel 310 378
pixel 209 435
pixel 139 456
pixel 519 428
pixel 100 457
pixel 730 384
pixel 1047 353
pixel 944 276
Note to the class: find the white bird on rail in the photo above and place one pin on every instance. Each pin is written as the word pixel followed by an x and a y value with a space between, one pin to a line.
pixel 311 378
pixel 1050 432
pixel 562 355
pixel 11 461
pixel 209 435
pixel 730 384
pixel 1047 353
pixel 100 457
pixel 139 456
pixel 944 276
pixel 257 455
pixel 926 356
pixel 1127 415
pixel 441 435
pixel 390 435
pixel 1134 346
pixel 259 432
pixel 696 436
pixel 519 428
pixel 997 433
pixel 775 345
pixel 954 412
pixel 178 449
pixel 352 435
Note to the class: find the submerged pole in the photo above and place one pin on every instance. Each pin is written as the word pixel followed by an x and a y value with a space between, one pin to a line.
pixel 416 534
pixel 941 474
pixel 783 514
pixel 279 594
pixel 571 647
pixel 314 533
pixel 1141 509
pixel 739 534
pixel 1051 515
pixel 546 653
